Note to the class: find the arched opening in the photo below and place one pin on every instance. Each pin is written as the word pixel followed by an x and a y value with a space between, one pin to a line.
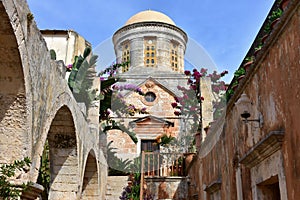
pixel 90 188
pixel 63 156
pixel 13 115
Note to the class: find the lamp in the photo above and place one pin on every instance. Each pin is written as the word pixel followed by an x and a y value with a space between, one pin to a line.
pixel 244 106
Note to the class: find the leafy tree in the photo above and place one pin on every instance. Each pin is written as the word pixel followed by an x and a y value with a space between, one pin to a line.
pixel 82 76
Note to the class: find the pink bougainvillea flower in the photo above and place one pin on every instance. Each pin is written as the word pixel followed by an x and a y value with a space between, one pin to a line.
pixel 187 72
pixel 177 113
pixel 174 104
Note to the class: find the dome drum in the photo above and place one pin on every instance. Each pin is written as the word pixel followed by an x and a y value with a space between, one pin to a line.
pixel 169 42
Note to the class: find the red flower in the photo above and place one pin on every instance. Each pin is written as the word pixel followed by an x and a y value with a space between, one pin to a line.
pixel 202 98
pixel 174 104
pixel 187 72
pixel 176 99
pixel 177 113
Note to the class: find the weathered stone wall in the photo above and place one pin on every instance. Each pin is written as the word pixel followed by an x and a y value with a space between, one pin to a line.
pixel 36 104
pixel 167 187
pixel 148 129
pixel 240 161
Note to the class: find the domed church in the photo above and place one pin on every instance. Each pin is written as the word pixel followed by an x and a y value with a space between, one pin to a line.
pixel 155 47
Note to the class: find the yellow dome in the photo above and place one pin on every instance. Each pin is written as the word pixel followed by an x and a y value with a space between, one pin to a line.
pixel 150 16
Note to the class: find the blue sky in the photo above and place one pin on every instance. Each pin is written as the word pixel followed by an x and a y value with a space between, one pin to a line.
pixel 224 28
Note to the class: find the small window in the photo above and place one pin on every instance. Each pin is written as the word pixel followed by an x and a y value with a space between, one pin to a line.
pixel 152 54
pixel 150 97
pixel 152 61
pixel 148 48
pixel 147 61
pixel 152 48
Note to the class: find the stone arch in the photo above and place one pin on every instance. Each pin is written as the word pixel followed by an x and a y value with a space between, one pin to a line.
pixel 63 156
pixel 90 187
pixel 13 109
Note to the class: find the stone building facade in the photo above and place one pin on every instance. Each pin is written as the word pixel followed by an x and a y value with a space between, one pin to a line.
pixel 36 105
pixel 155 47
pixel 258 159
pixel 66 43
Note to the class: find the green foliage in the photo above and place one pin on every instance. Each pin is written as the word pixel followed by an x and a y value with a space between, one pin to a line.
pixel 118 126
pixel 117 166
pixel 240 72
pixel 7 171
pixel 275 14
pixel 81 77
pixel 229 93
pixel 120 108
pixel 44 172
pixel 52 54
pixel 165 139
pixel 249 58
pixel 132 191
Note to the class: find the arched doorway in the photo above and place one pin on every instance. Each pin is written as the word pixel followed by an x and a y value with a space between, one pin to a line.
pixel 13 112
pixel 63 156
pixel 90 188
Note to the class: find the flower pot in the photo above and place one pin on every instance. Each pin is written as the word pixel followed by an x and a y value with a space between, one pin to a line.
pixel 240 78
pixel 234 87
pixel 263 39
pixel 256 52
pixel 284 4
pixel 273 24
pixel 247 65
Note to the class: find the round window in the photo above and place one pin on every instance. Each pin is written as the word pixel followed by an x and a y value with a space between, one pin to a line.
pixel 150 97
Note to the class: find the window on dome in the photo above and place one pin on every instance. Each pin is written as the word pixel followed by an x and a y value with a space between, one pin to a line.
pixel 150 49
pixel 174 56
pixel 126 55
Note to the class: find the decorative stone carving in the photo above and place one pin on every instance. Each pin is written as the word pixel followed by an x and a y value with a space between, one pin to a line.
pixel 214 186
pixel 263 149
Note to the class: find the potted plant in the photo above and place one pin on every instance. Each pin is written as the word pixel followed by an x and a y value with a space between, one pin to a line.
pixel 229 94
pixel 275 17
pixel 240 74
pixel 257 49
pixel 248 61
pixel 234 85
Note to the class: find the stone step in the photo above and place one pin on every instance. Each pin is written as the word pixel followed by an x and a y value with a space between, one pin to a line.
pixel 114 187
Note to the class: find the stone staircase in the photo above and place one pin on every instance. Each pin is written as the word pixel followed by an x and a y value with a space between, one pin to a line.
pixel 115 185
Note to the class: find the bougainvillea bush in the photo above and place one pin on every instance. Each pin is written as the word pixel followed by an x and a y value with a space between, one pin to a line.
pixel 188 105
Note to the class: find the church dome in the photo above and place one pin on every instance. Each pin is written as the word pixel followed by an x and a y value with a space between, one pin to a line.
pixel 150 16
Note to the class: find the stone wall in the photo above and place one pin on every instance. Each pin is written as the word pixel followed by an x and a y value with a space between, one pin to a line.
pixel 241 160
pixel 36 105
